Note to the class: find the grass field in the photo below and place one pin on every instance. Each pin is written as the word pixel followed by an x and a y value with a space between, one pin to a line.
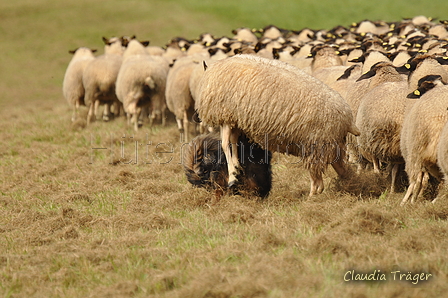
pixel 122 221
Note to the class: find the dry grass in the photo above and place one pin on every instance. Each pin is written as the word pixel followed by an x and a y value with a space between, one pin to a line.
pixel 77 222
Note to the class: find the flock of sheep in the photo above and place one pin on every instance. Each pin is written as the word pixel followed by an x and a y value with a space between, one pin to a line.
pixel 371 94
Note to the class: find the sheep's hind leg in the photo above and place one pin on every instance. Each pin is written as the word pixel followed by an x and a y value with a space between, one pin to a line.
pixel 91 114
pixel 393 173
pixel 229 138
pixel 136 116
pixel 414 188
pixel 418 187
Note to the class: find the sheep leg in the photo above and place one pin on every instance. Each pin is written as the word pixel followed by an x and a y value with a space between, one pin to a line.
pixel 418 187
pixel 408 193
pixel 75 111
pixel 180 126
pixel 118 108
pixel 90 115
pixel 424 183
pixel 376 165
pixel 229 139
pixel 144 114
pixel 186 126
pixel 414 188
pixel 96 106
pixel 340 169
pixel 163 117
pixel 393 174
pixel 136 116
pixel 106 112
pixel 129 118
pixel 317 183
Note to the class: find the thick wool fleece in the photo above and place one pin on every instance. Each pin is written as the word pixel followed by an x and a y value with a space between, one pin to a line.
pixel 277 106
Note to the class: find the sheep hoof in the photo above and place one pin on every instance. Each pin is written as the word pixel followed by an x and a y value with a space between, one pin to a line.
pixel 233 186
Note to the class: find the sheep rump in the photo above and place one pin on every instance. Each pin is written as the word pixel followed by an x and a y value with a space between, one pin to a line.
pixel 279 107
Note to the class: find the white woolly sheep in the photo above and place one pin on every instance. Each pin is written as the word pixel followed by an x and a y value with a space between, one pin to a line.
pixel 423 65
pixel 99 79
pixel 380 117
pixel 442 156
pixel 72 86
pixel 357 89
pixel 177 93
pixel 245 34
pixel 141 83
pixel 279 107
pixel 421 132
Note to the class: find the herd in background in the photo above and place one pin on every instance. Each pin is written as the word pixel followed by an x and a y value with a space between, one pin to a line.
pixel 376 90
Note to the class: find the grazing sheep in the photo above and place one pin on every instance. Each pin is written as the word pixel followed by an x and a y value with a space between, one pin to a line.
pixel 421 131
pixel 279 107
pixel 141 83
pixel 72 86
pixel 99 79
pixel 205 165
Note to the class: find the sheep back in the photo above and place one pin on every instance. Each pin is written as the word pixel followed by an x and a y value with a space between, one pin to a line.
pixel 276 105
pixel 142 82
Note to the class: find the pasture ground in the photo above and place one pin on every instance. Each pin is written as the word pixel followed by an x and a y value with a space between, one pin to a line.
pixel 124 222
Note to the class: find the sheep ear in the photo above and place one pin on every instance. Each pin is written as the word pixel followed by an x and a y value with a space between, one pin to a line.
pixel 105 40
pixel 415 94
pixel 347 73
pixel 93 50
pixel 72 51
pixel 358 59
pixel 367 75
pixel 145 43
pixel 205 65
pixel 442 60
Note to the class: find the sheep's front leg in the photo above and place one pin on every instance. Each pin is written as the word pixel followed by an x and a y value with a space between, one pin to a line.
pixel 229 137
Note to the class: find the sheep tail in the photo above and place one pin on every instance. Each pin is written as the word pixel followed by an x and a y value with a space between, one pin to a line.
pixel 150 83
